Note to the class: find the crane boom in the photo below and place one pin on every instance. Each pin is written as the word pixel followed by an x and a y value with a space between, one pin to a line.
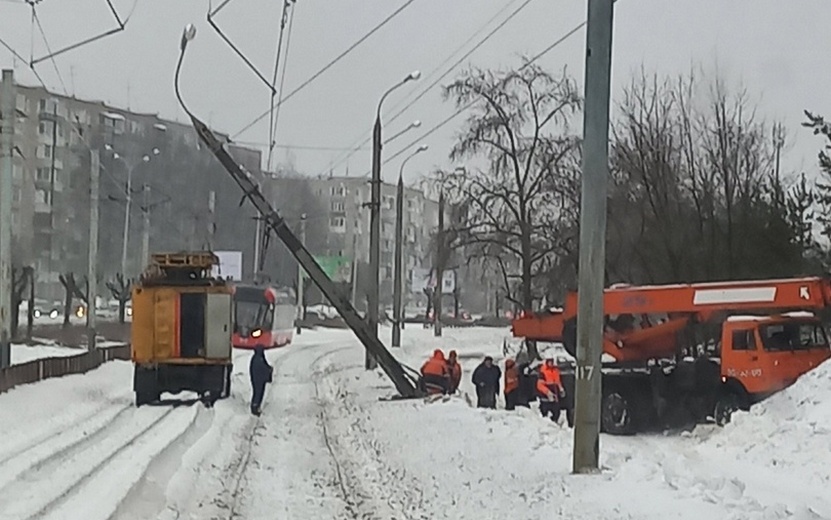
pixel 394 370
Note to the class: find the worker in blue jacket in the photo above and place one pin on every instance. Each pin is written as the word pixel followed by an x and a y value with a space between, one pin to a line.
pixel 261 373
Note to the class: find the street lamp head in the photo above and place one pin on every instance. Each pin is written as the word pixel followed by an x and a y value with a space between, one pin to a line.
pixel 415 124
pixel 156 151
pixel 422 148
pixel 115 155
pixel 414 75
pixel 187 35
pixel 146 158
pixel 108 147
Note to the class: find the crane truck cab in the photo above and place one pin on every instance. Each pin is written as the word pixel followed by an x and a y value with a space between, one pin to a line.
pixel 761 355
pixel 686 353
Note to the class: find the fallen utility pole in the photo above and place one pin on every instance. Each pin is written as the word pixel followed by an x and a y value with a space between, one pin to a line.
pixel 588 391
pixel 404 383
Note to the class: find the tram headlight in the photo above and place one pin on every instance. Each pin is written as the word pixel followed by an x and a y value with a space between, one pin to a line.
pixel 256 333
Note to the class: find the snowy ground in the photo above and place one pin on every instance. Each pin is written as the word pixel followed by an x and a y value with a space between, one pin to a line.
pixel 326 447
pixel 45 348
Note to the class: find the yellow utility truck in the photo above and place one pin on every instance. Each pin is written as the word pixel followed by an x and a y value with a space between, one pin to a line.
pixel 182 329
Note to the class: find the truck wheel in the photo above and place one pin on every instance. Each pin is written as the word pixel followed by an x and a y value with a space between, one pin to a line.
pixel 616 414
pixel 227 391
pixel 726 405
pixel 146 397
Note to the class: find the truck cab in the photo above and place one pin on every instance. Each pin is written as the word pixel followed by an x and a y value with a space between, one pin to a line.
pixel 761 355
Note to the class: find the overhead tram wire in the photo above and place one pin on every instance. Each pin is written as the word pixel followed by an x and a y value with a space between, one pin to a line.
pixel 282 80
pixel 432 130
pixel 358 144
pixel 271 124
pixel 329 65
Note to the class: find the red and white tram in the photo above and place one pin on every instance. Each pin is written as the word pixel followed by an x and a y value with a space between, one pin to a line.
pixel 263 315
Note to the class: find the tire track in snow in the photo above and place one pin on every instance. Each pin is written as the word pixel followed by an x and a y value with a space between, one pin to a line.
pixel 58 431
pixel 104 487
pixel 58 446
pixel 236 472
pixel 46 485
pixel 146 498
pixel 361 500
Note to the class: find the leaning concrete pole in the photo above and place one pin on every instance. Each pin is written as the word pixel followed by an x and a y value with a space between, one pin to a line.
pixel 592 259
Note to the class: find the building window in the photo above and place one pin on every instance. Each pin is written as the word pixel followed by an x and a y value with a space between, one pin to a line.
pixel 338 191
pixel 389 202
pixel 337 206
pixel 44 151
pixel 17 172
pixel 43 174
pixel 15 196
pixel 44 128
pixel 337 222
pixel 41 197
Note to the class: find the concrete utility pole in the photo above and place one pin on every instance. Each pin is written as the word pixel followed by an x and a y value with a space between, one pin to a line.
pixel 399 253
pixel 398 315
pixel 126 233
pixel 145 231
pixel 588 393
pixel 257 249
pixel 375 220
pixel 439 269
pixel 374 237
pixel 355 270
pixel 7 108
pixel 92 256
pixel 300 273
pixel 211 218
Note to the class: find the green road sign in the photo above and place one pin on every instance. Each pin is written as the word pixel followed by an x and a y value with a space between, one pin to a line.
pixel 338 268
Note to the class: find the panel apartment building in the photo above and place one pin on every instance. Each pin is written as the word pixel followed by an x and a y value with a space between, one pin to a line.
pixel 346 199
pixel 54 135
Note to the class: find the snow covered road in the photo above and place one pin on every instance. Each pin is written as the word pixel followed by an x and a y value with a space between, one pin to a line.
pixel 327 448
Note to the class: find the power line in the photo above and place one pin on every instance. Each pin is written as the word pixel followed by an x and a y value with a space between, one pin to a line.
pixel 368 135
pixel 283 75
pixel 329 65
pixel 271 125
pixel 432 130
pixel 36 18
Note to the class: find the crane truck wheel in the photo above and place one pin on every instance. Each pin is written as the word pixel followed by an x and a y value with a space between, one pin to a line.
pixel 726 404
pixel 617 413
pixel 570 336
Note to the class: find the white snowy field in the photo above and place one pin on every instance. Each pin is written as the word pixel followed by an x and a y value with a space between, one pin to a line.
pixel 326 447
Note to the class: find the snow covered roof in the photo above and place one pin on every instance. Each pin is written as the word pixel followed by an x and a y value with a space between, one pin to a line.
pixel 113 115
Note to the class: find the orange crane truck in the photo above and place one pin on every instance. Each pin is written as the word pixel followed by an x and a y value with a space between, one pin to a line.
pixel 683 353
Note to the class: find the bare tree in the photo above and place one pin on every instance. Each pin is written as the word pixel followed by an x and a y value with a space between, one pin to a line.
pixel 519 131
pixel 121 289
pixel 71 291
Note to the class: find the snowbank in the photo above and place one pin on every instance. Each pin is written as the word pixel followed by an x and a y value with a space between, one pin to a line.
pixel 22 353
pixel 461 462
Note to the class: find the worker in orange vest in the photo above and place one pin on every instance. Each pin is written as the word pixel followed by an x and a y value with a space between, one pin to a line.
pixel 435 375
pixel 455 372
pixel 511 384
pixel 550 390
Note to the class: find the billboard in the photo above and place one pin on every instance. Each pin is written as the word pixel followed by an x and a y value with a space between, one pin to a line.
pixel 421 279
pixel 338 268
pixel 230 265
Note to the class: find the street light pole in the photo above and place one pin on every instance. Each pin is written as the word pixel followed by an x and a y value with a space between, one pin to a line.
pixel 375 220
pixel 145 232
pixel 592 237
pixel 398 317
pixel 7 107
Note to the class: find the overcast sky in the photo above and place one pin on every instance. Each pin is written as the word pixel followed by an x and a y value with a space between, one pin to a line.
pixel 779 50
